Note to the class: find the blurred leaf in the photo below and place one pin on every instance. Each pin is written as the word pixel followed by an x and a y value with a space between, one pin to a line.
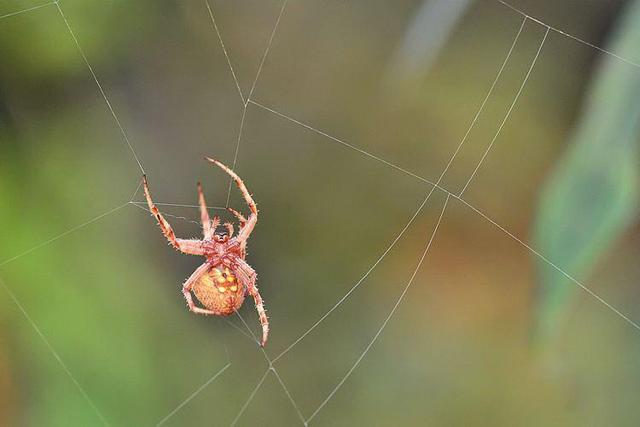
pixel 37 44
pixel 425 37
pixel 592 195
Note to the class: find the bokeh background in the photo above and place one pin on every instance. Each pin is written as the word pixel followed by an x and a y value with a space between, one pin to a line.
pixel 487 334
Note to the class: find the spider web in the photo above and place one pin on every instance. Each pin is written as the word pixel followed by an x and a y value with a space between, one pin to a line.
pixel 438 197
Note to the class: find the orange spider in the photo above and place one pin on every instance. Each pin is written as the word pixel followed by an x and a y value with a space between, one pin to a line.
pixel 222 282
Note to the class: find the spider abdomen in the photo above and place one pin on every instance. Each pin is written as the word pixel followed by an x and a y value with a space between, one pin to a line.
pixel 219 291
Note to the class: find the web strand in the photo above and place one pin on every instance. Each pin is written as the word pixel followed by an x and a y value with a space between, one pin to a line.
pixel 552 264
pixel 388 318
pixel 61 235
pixel 19 12
pixel 360 281
pixel 135 193
pixel 141 207
pixel 250 398
pixel 237 150
pixel 599 299
pixel 435 185
pixel 506 117
pixel 54 353
pixel 340 141
pixel 253 85
pixel 224 49
pixel 484 101
pixel 266 51
pixel 102 91
pixel 273 368
pixel 571 36
pixel 239 329
pixel 194 394
pixel 180 205
pixel 288 393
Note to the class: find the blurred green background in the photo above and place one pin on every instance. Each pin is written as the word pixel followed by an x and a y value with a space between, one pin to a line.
pixel 487 333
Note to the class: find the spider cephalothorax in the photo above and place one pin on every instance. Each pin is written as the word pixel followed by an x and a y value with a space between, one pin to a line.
pixel 222 282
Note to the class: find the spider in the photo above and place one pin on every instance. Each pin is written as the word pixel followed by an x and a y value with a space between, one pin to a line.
pixel 222 282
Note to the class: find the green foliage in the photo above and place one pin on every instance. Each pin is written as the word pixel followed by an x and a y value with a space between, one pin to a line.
pixel 592 196
pixel 36 44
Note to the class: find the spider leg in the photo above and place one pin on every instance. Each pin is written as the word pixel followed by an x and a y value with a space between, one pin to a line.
pixel 239 183
pixel 241 219
pixel 229 227
pixel 192 247
pixel 207 229
pixel 264 321
pixel 214 224
pixel 253 218
pixel 249 277
pixel 188 284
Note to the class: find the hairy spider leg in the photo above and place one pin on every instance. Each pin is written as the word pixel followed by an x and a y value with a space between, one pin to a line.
pixel 207 227
pixel 214 224
pixel 191 247
pixel 244 233
pixel 249 276
pixel 253 291
pixel 188 284
pixel 229 227
pixel 241 219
